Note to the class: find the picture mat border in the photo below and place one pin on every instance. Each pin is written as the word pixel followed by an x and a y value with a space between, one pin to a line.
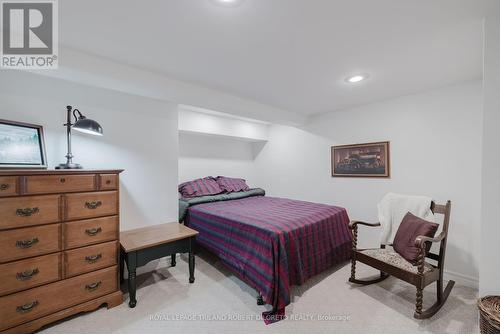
pixel 41 144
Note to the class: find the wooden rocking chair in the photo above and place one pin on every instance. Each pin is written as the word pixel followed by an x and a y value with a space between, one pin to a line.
pixel 420 275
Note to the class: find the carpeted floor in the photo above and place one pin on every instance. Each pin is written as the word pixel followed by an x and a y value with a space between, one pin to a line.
pixel 167 303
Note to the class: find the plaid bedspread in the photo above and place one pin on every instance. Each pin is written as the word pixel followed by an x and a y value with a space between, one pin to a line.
pixel 273 243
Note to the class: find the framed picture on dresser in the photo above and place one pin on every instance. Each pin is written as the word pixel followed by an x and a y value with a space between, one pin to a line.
pixel 22 146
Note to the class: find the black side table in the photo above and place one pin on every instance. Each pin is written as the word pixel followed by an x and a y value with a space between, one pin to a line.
pixel 140 246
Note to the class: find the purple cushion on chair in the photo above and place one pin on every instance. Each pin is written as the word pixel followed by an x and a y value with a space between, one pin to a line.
pixel 411 227
pixel 229 184
pixel 200 187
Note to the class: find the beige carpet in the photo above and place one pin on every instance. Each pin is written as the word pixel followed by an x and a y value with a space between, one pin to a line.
pixel 325 304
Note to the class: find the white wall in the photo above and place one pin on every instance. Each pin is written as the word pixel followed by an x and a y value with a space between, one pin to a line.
pixel 101 72
pixel 435 150
pixel 210 124
pixel 140 136
pixel 490 270
pixel 201 156
pixel 217 144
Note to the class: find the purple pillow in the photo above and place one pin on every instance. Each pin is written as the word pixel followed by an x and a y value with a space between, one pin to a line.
pixel 411 227
pixel 229 184
pixel 200 187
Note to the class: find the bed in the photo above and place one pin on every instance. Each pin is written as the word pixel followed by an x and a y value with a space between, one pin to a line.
pixel 270 243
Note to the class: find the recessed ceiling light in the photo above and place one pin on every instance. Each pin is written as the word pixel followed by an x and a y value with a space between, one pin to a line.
pixel 227 3
pixel 356 78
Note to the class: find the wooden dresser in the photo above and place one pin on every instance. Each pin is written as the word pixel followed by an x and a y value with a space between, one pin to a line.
pixel 59 247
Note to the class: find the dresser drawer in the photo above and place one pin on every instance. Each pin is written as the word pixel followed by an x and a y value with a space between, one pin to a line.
pixel 89 205
pixel 9 185
pixel 27 305
pixel 87 232
pixel 25 274
pixel 27 242
pixel 90 258
pixel 26 211
pixel 45 184
pixel 108 181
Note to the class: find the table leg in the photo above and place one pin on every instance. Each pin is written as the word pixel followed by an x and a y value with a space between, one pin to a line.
pixel 260 300
pixel 172 260
pixel 122 266
pixel 191 261
pixel 131 266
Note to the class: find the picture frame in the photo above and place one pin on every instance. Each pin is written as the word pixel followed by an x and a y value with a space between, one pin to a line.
pixel 22 146
pixel 361 160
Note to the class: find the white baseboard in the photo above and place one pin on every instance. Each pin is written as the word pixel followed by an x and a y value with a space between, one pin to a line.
pixel 466 280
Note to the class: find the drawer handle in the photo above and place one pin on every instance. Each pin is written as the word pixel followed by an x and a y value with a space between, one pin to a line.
pixel 62 180
pixel 26 243
pixel 93 231
pixel 27 307
pixel 93 286
pixel 27 211
pixel 4 186
pixel 93 258
pixel 93 205
pixel 28 274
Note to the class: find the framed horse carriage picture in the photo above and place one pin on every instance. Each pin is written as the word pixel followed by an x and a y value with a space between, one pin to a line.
pixel 361 160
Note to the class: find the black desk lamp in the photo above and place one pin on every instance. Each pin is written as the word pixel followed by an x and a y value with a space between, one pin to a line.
pixel 81 124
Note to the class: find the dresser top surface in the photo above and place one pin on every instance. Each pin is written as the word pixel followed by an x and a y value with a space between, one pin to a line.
pixel 23 172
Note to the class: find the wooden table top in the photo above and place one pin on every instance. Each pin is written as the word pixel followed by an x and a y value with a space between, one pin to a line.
pixel 154 235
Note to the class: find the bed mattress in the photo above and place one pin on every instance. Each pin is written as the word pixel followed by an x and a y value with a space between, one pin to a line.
pixel 273 243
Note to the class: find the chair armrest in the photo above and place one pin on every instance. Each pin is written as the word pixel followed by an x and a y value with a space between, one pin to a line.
pixel 421 240
pixel 420 243
pixel 354 223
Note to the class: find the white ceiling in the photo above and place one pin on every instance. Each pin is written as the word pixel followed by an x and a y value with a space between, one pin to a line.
pixel 291 54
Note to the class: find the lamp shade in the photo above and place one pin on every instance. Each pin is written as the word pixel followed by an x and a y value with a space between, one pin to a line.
pixel 89 126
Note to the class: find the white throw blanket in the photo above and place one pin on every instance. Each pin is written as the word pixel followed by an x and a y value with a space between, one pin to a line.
pixel 392 209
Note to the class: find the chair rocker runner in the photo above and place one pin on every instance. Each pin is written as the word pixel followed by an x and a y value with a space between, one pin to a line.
pixel 420 275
